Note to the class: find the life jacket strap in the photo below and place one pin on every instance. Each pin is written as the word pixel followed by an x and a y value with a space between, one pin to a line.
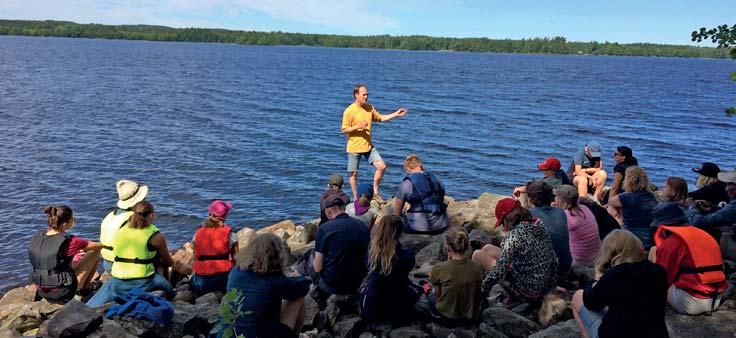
pixel 213 258
pixel 134 260
pixel 107 247
pixel 702 269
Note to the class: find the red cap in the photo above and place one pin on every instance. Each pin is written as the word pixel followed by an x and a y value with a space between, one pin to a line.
pixel 551 163
pixel 220 209
pixel 504 207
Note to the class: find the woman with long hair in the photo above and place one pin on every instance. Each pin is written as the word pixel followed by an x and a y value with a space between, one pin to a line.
pixel 629 298
pixel 62 263
pixel 674 190
pixel 624 158
pixel 215 244
pixel 136 246
pixel 634 206
pixel 388 294
pixel 273 303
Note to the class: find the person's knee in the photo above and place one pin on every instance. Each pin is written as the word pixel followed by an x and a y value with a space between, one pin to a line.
pixel 380 165
pixel 577 300
pixel 353 174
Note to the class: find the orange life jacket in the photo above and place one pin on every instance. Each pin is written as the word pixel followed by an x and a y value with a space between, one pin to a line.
pixel 702 247
pixel 212 251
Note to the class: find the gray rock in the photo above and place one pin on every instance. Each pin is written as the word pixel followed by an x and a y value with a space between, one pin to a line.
pixel 509 322
pixel 183 296
pixel 367 335
pixel 414 243
pixel 311 312
pixel 721 323
pixel 560 330
pixel 74 320
pixel 24 294
pixel 325 320
pixel 188 319
pixel 111 329
pixel 208 299
pixel 349 327
pixel 487 331
pixel 427 255
pixel 439 331
pixel 408 332
pixel 8 333
pixel 24 317
pixel 479 238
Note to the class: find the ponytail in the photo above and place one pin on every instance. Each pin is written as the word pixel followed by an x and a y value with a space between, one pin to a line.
pixel 141 211
pixel 457 240
pixel 58 215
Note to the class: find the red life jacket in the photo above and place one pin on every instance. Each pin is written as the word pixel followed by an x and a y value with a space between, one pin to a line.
pixel 702 247
pixel 213 251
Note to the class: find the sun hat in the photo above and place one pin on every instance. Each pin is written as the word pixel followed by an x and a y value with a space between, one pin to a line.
pixel 708 169
pixel 503 207
pixel 220 209
pixel 667 213
pixel 551 163
pixel 335 180
pixel 594 148
pixel 130 193
pixel 333 197
pixel 727 176
pixel 365 189
pixel 566 192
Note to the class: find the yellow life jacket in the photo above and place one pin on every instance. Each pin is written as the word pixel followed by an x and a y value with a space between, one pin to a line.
pixel 110 225
pixel 132 258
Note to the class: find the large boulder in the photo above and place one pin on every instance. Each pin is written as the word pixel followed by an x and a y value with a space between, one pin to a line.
pixel 210 299
pixel 111 329
pixel 479 238
pixel 25 294
pixel 183 260
pixel 439 331
pixel 24 317
pixel 487 331
pixel 285 228
pixel 721 323
pixel 509 322
pixel 74 320
pixel 188 319
pixel 566 329
pixel 349 327
pixel 245 235
pixel 408 332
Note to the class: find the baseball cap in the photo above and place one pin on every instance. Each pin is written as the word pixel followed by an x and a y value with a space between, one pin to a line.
pixel 504 207
pixel 333 197
pixel 594 148
pixel 335 180
pixel 708 169
pixel 551 163
pixel 727 176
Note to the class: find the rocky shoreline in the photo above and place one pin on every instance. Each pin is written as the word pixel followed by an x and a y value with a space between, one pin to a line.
pixel 21 316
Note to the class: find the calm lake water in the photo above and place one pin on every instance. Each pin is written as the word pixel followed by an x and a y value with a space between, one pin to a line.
pixel 260 126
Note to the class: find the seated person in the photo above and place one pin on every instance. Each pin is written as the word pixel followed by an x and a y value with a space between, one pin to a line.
pixel 553 176
pixel 710 188
pixel 674 190
pixel 455 296
pixel 554 219
pixel 425 196
pixel 587 171
pixel 581 225
pixel 692 259
pixel 362 208
pixel 634 206
pixel 334 182
pixel 709 217
pixel 136 246
pixel 525 265
pixel 389 295
pixel 606 222
pixel 339 263
pixel 630 297
pixel 215 244
pixel 274 303
pixel 624 158
pixel 62 263
pixel 129 193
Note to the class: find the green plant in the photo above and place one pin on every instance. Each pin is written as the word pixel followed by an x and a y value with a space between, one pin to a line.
pixel 725 37
pixel 230 309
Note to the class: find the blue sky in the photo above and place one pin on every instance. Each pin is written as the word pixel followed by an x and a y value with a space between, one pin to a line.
pixel 658 21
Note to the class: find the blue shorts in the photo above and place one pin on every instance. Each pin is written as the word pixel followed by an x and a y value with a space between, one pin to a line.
pixel 354 159
pixel 591 320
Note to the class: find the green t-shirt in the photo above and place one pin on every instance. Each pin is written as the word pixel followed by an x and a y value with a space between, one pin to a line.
pixel 460 282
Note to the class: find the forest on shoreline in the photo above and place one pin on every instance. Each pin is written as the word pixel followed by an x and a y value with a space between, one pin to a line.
pixel 554 45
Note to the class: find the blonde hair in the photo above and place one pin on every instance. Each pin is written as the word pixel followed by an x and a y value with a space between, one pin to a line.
pixel 703 181
pixel 619 246
pixel 383 244
pixel 412 162
pixel 635 179
pixel 264 254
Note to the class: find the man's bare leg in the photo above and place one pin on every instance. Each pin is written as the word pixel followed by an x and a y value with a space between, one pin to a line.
pixel 581 183
pixel 378 177
pixel 353 179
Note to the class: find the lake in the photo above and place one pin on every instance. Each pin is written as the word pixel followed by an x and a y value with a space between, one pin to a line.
pixel 260 126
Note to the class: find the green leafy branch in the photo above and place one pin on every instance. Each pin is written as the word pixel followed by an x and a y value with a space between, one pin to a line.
pixel 230 310
pixel 725 37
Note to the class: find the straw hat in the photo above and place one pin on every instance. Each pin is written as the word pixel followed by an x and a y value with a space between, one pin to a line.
pixel 130 193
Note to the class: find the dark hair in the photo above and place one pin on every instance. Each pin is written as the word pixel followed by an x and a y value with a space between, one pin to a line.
pixel 357 87
pixel 457 240
pixel 628 154
pixel 677 191
pixel 539 193
pixel 264 254
pixel 516 216
pixel 58 215
pixel 212 222
pixel 141 211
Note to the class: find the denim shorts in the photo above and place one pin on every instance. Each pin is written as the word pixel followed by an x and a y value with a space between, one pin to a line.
pixel 354 159
pixel 591 320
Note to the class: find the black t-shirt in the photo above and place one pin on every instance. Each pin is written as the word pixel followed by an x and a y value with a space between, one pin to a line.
pixel 715 193
pixel 636 296
pixel 344 243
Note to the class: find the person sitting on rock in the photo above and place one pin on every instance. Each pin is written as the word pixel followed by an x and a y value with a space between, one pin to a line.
pixel 339 261
pixel 606 222
pixel 587 172
pixel 273 303
pixel 554 219
pixel 136 246
pixel 581 226
pixel 692 259
pixel 710 188
pixel 388 294
pixel 624 158
pixel 553 176
pixel 630 297
pixel 362 209
pixel 62 263
pixel 129 193
pixel 526 264
pixel 634 207
pixel 334 182
pixel 215 244
pixel 455 296
pixel 709 217
pixel 425 195
pixel 674 190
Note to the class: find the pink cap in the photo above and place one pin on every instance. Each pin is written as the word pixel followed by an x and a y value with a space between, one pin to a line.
pixel 219 208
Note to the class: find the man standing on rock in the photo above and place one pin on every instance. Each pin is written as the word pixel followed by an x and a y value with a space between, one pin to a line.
pixel 357 125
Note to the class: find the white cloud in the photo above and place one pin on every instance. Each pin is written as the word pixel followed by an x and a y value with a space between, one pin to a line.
pixel 352 16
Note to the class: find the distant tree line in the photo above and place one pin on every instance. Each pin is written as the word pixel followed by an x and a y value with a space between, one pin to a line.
pixel 555 45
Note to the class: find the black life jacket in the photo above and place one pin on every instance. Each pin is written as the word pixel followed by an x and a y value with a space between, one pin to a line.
pixel 51 268
pixel 428 194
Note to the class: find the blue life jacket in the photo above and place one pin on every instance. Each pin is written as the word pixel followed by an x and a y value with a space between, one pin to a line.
pixel 428 194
